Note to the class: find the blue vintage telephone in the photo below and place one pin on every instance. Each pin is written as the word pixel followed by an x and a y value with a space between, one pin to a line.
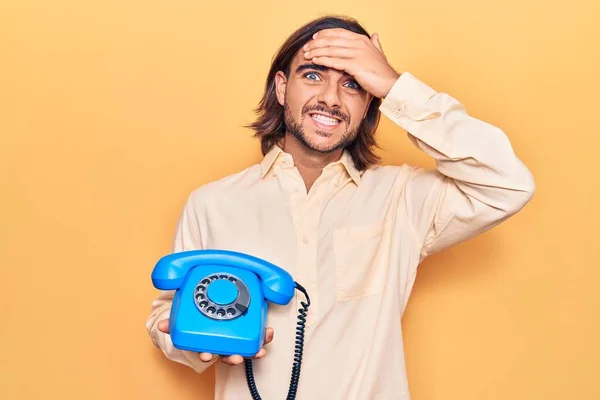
pixel 220 304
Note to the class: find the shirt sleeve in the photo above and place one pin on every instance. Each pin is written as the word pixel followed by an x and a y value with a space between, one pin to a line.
pixel 187 237
pixel 478 182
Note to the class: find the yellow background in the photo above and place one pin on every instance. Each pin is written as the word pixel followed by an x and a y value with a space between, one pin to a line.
pixel 111 112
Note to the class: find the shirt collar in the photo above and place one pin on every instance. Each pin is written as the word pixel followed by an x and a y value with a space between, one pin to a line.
pixel 348 163
pixel 277 153
pixel 269 159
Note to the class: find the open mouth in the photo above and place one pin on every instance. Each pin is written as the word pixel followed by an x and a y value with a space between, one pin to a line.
pixel 325 120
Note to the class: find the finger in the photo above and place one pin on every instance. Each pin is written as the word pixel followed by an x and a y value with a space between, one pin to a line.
pixel 261 353
pixel 337 52
pixel 376 43
pixel 233 360
pixel 331 42
pixel 163 325
pixel 269 334
pixel 340 64
pixel 206 357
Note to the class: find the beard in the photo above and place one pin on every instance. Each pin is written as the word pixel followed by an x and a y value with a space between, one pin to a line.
pixel 295 129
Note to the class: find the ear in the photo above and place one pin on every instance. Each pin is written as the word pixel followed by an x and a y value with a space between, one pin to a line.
pixel 280 86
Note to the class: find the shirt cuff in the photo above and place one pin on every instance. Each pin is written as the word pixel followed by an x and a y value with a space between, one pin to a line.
pixel 407 99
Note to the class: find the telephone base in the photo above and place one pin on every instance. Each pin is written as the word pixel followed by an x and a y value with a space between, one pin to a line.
pixel 197 349
pixel 242 333
pixel 216 344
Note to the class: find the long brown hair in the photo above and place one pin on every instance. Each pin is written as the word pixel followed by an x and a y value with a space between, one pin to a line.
pixel 270 127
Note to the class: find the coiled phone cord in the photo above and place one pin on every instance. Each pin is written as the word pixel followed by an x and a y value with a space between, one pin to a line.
pixel 298 349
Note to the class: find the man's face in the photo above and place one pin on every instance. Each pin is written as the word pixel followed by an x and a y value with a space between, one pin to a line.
pixel 323 107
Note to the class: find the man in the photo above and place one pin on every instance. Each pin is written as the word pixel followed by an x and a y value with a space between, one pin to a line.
pixel 350 231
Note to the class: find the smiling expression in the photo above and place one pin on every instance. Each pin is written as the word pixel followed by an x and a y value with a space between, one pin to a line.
pixel 323 107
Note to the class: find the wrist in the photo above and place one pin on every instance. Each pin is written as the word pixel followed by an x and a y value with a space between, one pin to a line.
pixel 390 82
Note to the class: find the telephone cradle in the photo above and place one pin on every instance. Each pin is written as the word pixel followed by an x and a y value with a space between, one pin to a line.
pixel 220 304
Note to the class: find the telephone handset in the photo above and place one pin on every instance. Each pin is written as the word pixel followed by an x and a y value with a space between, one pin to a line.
pixel 220 307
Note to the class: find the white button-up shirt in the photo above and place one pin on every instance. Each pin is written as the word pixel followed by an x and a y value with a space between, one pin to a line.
pixel 354 242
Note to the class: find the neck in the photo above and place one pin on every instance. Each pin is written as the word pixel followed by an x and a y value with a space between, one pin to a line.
pixel 310 163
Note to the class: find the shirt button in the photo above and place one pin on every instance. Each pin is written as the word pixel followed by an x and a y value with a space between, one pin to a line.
pixel 296 190
pixel 305 239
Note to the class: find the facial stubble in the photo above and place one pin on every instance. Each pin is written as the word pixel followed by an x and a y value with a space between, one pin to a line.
pixel 295 129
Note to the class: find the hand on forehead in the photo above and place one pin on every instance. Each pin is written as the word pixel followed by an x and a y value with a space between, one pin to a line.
pixel 358 55
pixel 329 40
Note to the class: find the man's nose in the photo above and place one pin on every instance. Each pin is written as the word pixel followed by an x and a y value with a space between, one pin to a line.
pixel 329 95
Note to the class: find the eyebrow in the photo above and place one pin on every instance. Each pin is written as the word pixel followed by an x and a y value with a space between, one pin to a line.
pixel 306 66
pixel 303 67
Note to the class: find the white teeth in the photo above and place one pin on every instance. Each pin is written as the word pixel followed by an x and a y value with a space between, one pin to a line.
pixel 325 120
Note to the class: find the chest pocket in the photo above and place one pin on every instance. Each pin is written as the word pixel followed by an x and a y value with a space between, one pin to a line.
pixel 362 254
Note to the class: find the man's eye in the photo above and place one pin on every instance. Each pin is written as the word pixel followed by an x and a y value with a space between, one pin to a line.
pixel 311 76
pixel 353 85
